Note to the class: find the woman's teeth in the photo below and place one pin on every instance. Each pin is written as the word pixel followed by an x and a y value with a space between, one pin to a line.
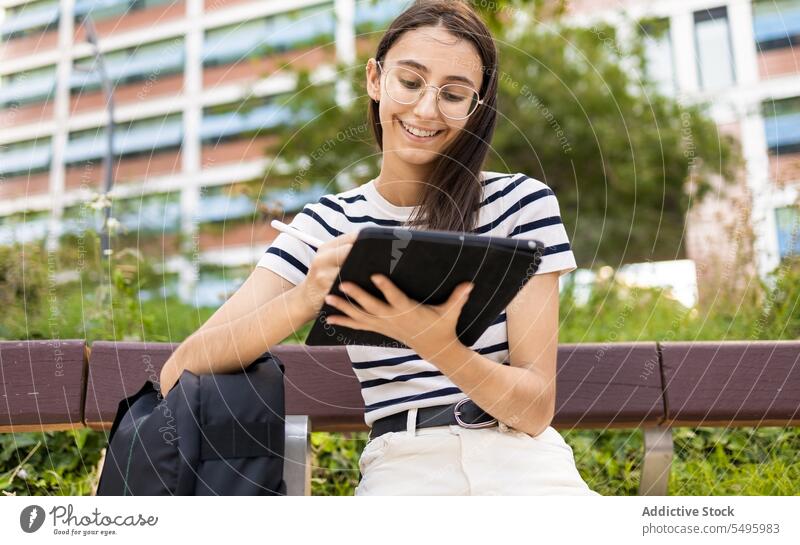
pixel 419 132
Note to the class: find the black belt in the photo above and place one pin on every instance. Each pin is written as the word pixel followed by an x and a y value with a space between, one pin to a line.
pixel 465 413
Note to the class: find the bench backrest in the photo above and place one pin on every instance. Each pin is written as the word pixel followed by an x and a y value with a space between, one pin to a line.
pixel 51 385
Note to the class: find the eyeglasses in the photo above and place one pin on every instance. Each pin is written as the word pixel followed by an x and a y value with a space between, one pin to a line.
pixel 455 101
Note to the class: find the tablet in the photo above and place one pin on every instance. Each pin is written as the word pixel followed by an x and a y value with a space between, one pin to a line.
pixel 427 266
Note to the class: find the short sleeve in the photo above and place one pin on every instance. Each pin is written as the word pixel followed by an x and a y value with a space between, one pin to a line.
pixel 290 257
pixel 539 219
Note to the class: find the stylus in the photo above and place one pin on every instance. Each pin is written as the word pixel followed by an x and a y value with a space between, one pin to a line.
pixel 296 233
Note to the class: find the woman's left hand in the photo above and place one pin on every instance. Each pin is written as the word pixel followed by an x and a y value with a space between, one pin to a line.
pixel 426 329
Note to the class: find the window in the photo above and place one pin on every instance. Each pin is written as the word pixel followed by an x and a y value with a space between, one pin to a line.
pixel 30 18
pixel 80 218
pixel 787 220
pixel 215 284
pixel 782 125
pixel 25 158
pixel 138 63
pixel 231 203
pixel 144 136
pixel 149 214
pixel 714 51
pixel 224 203
pixel 293 200
pixel 241 118
pixel 106 9
pixel 24 227
pixel 375 15
pixel 27 87
pixel 658 58
pixel 277 33
pixel 776 23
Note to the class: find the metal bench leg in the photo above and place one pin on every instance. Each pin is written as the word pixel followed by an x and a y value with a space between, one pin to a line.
pixel 297 460
pixel 658 450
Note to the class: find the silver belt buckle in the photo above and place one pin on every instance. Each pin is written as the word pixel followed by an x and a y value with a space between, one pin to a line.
pixel 463 424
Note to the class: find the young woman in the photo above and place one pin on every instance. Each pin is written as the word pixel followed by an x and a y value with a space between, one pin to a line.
pixel 445 418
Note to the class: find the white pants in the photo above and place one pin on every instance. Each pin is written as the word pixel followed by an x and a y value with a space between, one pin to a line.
pixel 456 461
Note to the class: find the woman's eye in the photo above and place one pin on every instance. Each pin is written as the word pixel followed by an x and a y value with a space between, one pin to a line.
pixel 410 84
pixel 453 98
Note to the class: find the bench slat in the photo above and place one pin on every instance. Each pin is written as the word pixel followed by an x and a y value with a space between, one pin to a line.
pixel 596 383
pixel 118 370
pixel 733 383
pixel 602 383
pixel 42 385
pixel 320 382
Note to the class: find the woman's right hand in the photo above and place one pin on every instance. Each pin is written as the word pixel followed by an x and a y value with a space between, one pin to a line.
pixel 324 270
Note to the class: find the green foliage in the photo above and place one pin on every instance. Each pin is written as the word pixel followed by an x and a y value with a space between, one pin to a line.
pixel 50 463
pixel 335 462
pixel 617 154
pixel 23 289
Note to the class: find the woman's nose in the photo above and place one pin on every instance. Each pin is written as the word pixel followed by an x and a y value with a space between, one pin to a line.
pixel 426 107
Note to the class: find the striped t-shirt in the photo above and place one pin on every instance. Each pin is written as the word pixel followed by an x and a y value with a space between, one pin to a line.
pixel 395 379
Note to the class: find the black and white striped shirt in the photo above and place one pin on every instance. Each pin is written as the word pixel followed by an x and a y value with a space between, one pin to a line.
pixel 395 379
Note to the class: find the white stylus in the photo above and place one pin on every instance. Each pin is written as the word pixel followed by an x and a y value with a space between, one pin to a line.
pixel 282 227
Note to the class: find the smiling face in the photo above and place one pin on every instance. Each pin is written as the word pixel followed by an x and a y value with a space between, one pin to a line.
pixel 441 58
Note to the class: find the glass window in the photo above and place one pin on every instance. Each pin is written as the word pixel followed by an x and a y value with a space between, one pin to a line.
pixel 240 201
pixel 787 220
pixel 22 158
pixel 80 218
pixel 105 9
pixel 292 200
pixel 277 33
pixel 149 214
pixel 215 285
pixel 714 50
pixel 27 87
pixel 223 203
pixel 30 18
pixel 776 23
pixel 374 15
pixel 24 227
pixel 658 58
pixel 782 125
pixel 149 61
pixel 143 136
pixel 243 118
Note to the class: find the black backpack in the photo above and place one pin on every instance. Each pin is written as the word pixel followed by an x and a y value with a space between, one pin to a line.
pixel 219 434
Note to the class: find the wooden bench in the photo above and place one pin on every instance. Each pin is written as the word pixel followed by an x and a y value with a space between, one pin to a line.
pixel 60 385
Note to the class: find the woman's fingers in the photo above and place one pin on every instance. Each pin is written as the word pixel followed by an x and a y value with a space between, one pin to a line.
pixel 367 301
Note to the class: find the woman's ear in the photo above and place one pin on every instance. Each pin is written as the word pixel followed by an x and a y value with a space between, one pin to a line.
pixel 373 81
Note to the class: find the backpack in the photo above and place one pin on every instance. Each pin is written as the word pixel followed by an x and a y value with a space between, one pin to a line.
pixel 220 434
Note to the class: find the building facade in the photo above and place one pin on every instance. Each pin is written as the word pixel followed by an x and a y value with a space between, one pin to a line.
pixel 196 91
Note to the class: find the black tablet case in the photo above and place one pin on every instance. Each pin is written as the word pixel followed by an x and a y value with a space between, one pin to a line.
pixel 427 266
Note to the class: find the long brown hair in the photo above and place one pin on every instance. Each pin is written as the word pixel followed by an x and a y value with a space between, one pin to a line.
pixel 453 192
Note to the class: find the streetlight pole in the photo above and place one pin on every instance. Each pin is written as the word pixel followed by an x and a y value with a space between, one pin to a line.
pixel 108 160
